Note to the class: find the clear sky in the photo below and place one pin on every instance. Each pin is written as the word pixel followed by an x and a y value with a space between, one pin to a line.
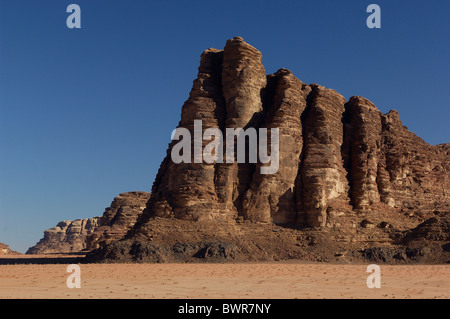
pixel 86 114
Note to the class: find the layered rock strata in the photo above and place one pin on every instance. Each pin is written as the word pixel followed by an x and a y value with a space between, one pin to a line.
pixel 344 166
pixel 5 250
pixel 334 154
pixel 117 219
pixel 66 237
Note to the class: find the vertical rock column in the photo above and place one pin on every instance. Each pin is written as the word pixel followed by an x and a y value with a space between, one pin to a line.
pixel 187 190
pixel 271 197
pixel 243 78
pixel 323 176
pixel 364 140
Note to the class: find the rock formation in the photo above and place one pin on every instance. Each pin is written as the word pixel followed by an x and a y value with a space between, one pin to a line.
pixel 67 237
pixel 435 229
pixel 91 233
pixel 362 152
pixel 349 176
pixel 322 174
pixel 5 250
pixel 271 197
pixel 117 219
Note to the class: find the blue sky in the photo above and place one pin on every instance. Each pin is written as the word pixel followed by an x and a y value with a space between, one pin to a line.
pixel 86 114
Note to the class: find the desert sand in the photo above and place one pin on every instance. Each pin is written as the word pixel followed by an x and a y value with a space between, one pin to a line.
pixel 250 280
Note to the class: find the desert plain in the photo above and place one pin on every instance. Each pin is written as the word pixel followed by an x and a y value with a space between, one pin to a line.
pixel 33 277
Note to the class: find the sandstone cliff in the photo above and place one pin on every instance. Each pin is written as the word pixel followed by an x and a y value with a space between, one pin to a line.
pixel 91 233
pixel 67 237
pixel 350 178
pixel 5 250
pixel 117 219
pixel 332 152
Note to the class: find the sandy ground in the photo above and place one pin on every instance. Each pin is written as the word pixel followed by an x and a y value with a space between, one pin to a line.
pixel 251 280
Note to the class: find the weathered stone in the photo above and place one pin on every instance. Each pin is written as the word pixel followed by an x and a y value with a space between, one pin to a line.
pixel 323 177
pixel 243 80
pixel 66 237
pixel 271 197
pixel 362 139
pixel 5 250
pixel 435 228
pixel 342 164
pixel 118 219
pixel 332 152
pixel 188 190
pixel 412 174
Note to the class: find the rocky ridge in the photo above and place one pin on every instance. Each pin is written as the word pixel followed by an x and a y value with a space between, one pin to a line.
pixel 66 237
pixel 5 250
pixel 87 234
pixel 117 219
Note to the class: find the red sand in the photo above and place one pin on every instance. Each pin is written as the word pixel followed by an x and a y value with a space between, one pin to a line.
pixel 251 280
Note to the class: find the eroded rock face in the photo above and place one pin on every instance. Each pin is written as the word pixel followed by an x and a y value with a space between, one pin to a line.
pixel 5 250
pixel 187 190
pixel 271 197
pixel 322 173
pixel 418 173
pixel 340 162
pixel 243 79
pixel 67 237
pixel 335 155
pixel 435 229
pixel 362 142
pixel 117 219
